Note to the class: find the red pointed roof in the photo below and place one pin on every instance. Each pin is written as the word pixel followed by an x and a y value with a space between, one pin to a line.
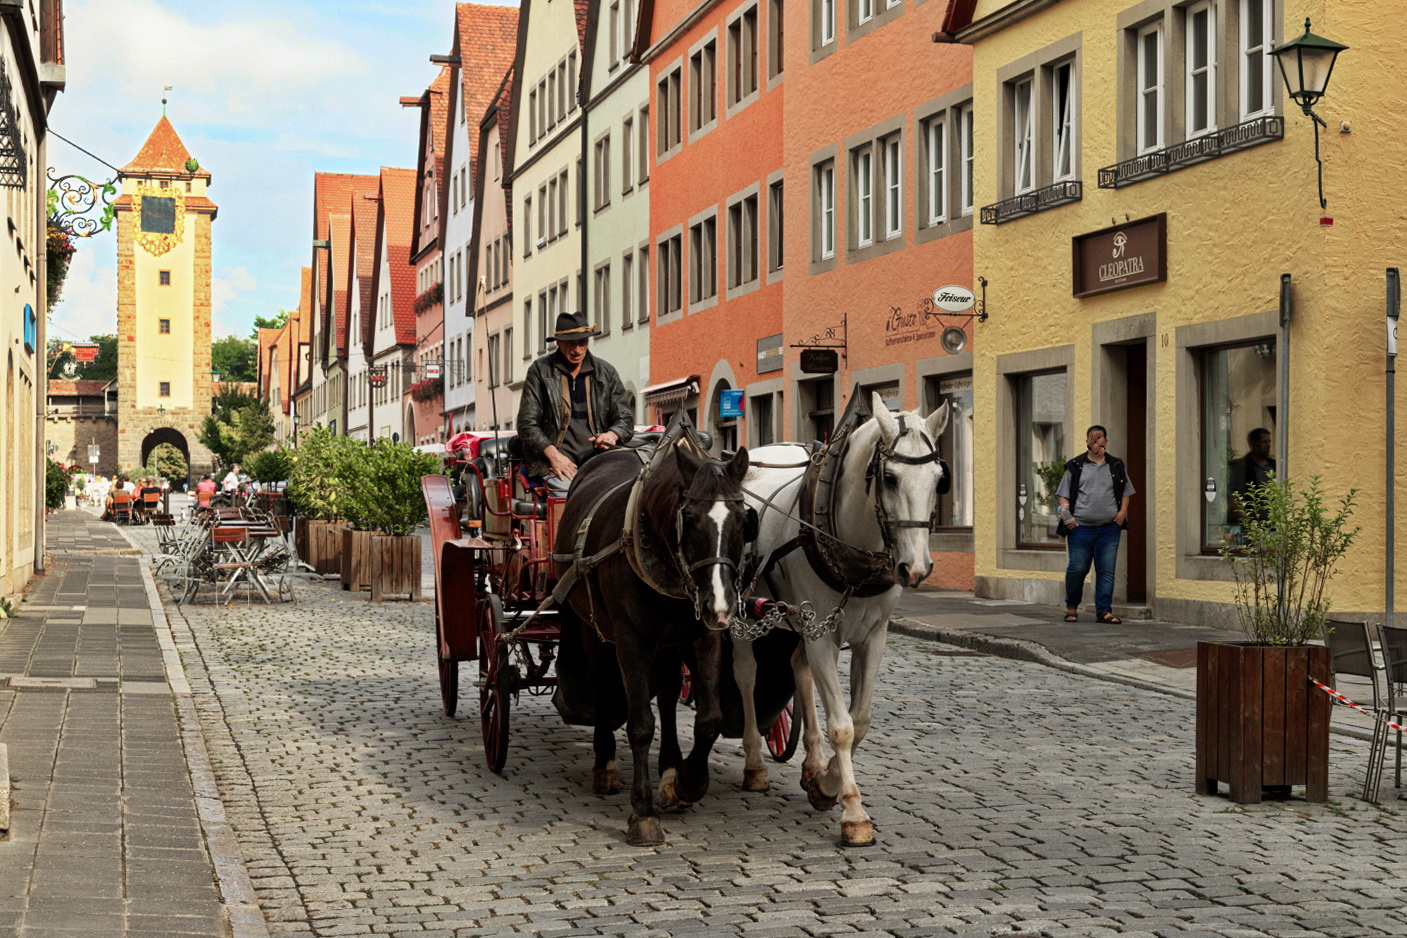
pixel 487 45
pixel 398 218
pixel 332 192
pixel 162 153
pixel 364 250
pixel 583 15
pixel 340 236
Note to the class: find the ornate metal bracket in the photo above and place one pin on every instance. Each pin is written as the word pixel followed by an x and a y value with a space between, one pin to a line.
pixel 79 206
pixel 825 338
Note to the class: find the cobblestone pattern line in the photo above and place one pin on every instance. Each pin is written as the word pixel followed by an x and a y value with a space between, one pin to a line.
pixel 1009 799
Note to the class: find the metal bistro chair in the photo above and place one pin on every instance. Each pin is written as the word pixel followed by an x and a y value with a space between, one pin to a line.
pixel 1393 640
pixel 1351 645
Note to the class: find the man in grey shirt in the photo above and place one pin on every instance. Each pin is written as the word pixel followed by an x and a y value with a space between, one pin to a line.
pixel 1094 504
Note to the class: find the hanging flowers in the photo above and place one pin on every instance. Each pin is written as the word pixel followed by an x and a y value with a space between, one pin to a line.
pixel 427 390
pixel 59 247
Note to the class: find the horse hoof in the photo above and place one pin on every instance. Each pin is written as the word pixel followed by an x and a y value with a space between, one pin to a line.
pixel 644 832
pixel 755 780
pixel 819 799
pixel 605 781
pixel 669 790
pixel 808 775
pixel 856 834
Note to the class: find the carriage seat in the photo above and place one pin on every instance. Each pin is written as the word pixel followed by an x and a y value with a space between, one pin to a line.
pixel 493 456
pixel 528 508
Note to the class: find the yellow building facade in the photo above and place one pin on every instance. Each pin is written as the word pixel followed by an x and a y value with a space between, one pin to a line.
pixel 1145 185
pixel 163 302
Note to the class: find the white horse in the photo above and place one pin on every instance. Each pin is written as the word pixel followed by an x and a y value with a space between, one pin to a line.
pixel 899 448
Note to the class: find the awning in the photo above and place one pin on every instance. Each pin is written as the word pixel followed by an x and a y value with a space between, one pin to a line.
pixel 671 392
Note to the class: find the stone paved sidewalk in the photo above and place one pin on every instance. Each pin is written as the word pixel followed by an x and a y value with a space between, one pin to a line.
pixel 106 833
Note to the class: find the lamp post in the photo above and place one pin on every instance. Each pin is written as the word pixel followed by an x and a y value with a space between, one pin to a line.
pixel 1306 64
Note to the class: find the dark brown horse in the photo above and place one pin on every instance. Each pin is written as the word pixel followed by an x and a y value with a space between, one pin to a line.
pixel 665 596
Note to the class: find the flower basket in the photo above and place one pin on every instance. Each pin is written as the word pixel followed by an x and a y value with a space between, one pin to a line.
pixel 59 248
pixel 427 390
pixel 430 298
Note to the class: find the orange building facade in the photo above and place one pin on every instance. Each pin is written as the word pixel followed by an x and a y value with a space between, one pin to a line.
pixel 716 146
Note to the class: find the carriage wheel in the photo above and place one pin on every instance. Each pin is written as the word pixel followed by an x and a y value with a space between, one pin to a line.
pixel 449 685
pixel 686 686
pixel 495 682
pixel 784 734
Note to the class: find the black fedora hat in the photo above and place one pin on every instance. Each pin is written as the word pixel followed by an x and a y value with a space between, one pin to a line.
pixel 573 326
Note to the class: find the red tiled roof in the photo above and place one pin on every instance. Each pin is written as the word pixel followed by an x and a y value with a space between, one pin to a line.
pixel 364 242
pixel 331 193
pixel 487 45
pixel 340 235
pixel 583 14
pixel 162 153
pixel 305 305
pixel 83 387
pixel 434 127
pixel 504 104
pixel 284 343
pixel 398 217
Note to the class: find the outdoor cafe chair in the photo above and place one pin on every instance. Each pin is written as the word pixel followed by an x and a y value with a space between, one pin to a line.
pixel 234 561
pixel 1351 645
pixel 1393 641
pixel 122 508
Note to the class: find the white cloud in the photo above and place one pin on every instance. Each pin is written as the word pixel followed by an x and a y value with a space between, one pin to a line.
pixel 89 303
pixel 225 289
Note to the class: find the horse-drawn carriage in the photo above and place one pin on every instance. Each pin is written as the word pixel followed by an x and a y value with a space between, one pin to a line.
pixel 655 554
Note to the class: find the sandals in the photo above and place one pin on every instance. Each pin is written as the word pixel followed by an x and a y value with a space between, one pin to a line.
pixel 1071 615
pixel 1108 618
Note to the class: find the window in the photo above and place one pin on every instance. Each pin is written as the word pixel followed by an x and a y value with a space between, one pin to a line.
pixel 862 210
pixel 603 299
pixel 864 10
pixel 825 210
pixel 1257 71
pixel 602 172
pixel 164 278
pixel 817 399
pixel 163 326
pixel 552 111
pixel 546 314
pixel 671 274
pixel 965 128
pixel 775 37
pixel 527 329
pixel 742 56
pixel 571 87
pixel 703 260
pixel 827 25
pixel 165 389
pixel 759 410
pixel 563 203
pixel 892 148
pixel 627 291
pixel 1023 137
pixel 1199 47
pixel 776 230
pixel 1238 395
pixel 627 153
pixel 1062 80
pixel 508 354
pixel 614 58
pixel 644 286
pixel 935 161
pixel 1040 453
pixel 528 225
pixel 742 242
pixel 643 161
pixel 1150 88
pixel 493 360
pixel 955 446
pixel 703 87
pixel 667 128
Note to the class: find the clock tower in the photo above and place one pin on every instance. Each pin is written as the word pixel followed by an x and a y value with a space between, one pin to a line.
pixel 163 302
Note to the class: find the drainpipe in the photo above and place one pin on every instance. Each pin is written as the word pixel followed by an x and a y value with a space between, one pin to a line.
pixel 39 242
pixel 582 201
pixel 1390 501
pixel 1282 463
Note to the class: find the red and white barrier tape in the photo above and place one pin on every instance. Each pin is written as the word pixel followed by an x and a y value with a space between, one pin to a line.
pixel 1360 708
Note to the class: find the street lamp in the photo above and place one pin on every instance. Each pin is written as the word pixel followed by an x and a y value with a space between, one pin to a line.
pixel 1306 64
pixel 161 410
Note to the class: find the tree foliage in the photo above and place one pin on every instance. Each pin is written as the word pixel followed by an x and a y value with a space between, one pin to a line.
pixel 270 465
pixel 269 322
pixel 166 462
pixel 235 359
pixel 239 424
pixel 55 485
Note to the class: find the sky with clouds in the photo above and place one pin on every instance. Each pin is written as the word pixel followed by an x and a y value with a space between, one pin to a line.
pixel 264 94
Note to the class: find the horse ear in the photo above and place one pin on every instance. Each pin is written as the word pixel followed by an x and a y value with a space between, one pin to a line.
pixel 689 464
pixel 737 466
pixel 888 426
pixel 938 421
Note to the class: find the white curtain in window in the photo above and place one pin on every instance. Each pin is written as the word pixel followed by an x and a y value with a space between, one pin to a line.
pixel 1064 114
pixel 1023 136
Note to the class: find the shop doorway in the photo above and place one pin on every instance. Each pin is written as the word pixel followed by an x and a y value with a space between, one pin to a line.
pixel 1136 458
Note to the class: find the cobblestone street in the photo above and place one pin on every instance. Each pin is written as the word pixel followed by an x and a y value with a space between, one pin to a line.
pixel 1008 798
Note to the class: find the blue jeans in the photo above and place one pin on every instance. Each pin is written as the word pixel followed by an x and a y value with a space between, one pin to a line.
pixel 1099 544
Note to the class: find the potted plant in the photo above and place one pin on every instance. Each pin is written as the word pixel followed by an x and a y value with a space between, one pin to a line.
pixel 395 507
pixel 1260 722
pixel 357 510
pixel 317 488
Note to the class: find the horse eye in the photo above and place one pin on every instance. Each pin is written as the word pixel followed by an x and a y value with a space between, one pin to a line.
pixel 890 479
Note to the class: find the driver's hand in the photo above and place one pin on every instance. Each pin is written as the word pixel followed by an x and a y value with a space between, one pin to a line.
pixel 606 439
pixel 563 466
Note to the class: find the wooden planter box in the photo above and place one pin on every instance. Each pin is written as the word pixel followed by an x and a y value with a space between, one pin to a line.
pixel 324 546
pixel 356 558
pixel 1260 723
pixel 395 566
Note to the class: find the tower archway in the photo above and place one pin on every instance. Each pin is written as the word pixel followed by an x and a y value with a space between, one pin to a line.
pixel 172 437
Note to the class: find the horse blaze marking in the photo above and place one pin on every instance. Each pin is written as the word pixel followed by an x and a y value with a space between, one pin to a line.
pixel 718 514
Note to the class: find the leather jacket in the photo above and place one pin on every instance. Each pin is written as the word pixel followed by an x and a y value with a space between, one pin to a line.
pixel 546 406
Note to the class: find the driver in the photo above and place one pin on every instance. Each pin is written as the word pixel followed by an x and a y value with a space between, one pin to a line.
pixel 573 403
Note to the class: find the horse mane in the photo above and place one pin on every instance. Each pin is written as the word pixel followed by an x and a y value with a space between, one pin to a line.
pixel 664 490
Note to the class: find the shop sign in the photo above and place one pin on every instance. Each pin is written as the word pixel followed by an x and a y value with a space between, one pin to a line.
pixel 819 361
pixel 31 329
pixel 432 371
pixel 376 376
pixel 769 353
pixel 86 354
pixel 954 385
pixel 1129 255
pixel 954 299
pixel 730 403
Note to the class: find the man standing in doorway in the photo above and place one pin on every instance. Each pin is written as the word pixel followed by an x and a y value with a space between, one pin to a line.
pixel 1094 505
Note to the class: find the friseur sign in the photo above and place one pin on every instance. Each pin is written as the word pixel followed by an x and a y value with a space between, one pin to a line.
pixel 1128 255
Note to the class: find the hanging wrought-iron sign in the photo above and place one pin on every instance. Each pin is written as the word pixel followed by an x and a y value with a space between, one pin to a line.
pixel 79 206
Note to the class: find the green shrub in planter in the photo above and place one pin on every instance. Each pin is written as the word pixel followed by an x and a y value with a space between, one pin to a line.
pixel 317 477
pixel 55 485
pixel 385 486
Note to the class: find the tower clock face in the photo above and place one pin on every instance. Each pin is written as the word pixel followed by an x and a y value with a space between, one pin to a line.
pixel 159 214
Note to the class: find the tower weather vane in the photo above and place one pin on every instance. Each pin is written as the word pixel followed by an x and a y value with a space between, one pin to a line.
pixel 164 89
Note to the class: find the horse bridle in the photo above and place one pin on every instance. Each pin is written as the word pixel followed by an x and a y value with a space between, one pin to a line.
pixel 686 569
pixel 884 453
